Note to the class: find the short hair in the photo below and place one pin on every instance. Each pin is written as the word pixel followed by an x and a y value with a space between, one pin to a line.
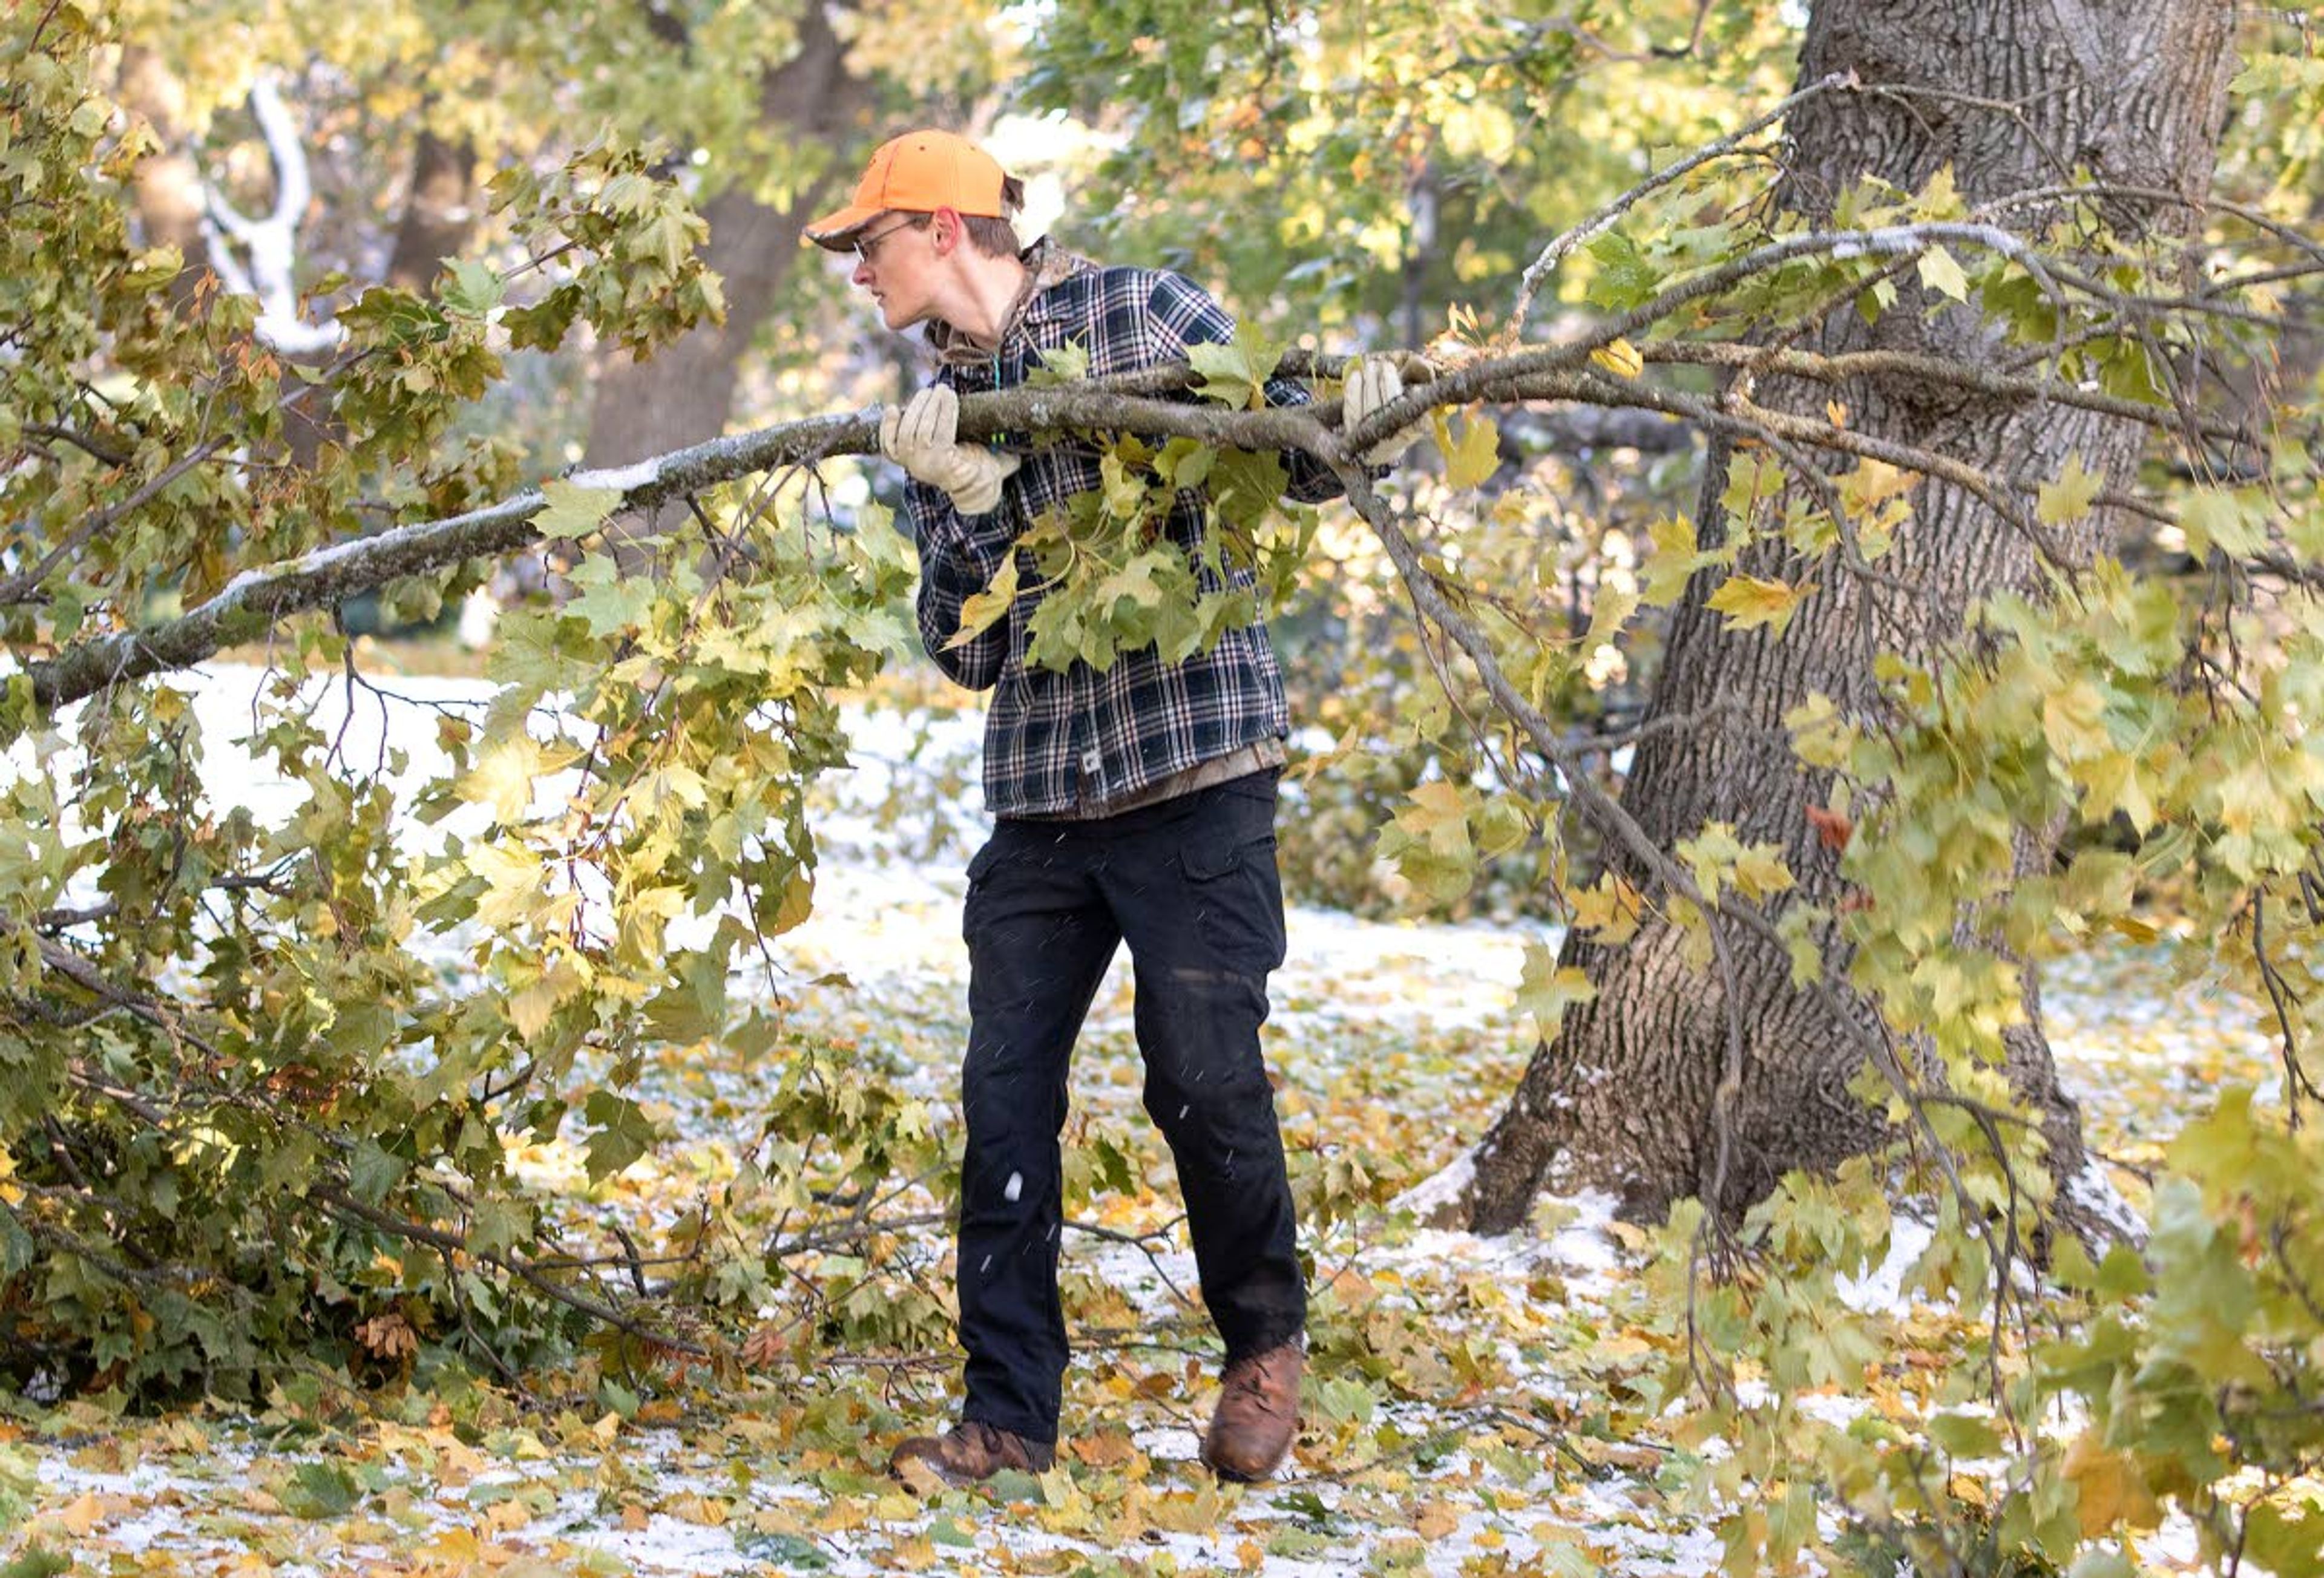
pixel 997 237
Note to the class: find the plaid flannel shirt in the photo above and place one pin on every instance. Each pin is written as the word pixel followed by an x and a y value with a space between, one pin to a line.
pixel 1078 740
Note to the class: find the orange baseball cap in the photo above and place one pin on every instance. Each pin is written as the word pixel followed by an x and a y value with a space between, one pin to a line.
pixel 918 172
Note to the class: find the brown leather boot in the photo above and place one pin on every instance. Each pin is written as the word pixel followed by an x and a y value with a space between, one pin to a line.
pixel 1258 1414
pixel 971 1451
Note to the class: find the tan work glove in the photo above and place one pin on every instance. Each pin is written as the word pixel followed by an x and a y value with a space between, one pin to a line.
pixel 921 437
pixel 1372 381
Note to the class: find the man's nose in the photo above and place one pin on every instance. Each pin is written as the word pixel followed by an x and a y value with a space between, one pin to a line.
pixel 862 272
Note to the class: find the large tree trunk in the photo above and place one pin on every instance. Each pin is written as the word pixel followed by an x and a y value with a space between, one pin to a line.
pixel 440 216
pixel 683 395
pixel 167 186
pixel 1623 1099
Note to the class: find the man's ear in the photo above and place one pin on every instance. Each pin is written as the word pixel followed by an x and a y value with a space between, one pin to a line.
pixel 945 226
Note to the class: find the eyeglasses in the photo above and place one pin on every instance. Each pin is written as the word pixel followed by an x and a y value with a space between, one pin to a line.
pixel 866 246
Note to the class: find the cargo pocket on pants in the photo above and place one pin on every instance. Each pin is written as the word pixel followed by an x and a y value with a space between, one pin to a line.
pixel 1237 898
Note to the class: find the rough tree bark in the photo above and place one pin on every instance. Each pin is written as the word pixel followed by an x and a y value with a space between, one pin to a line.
pixel 441 214
pixel 684 394
pixel 2013 95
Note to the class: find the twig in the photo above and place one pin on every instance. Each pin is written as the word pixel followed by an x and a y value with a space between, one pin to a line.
pixel 1556 252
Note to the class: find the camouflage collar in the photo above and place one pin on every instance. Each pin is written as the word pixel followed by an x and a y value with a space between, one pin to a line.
pixel 1047 264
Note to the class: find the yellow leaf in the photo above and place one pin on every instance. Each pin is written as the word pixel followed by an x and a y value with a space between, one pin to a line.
pixel 1438 812
pixel 505 1517
pixel 1674 560
pixel 1611 908
pixel 2113 1490
pixel 1749 602
pixel 1941 199
pixel 1941 273
pixel 1194 1512
pixel 911 1554
pixel 503 778
pixel 1873 483
pixel 1104 1449
pixel 2074 720
pixel 1545 991
pixel 1760 871
pixel 531 1010
pixel 1619 358
pixel 986 609
pixel 1436 1520
pixel 1471 456
pixel 1613 611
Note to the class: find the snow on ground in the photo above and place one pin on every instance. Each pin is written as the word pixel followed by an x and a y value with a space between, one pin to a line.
pixel 1509 1464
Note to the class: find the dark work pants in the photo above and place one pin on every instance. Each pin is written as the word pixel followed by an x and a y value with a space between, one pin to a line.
pixel 1191 884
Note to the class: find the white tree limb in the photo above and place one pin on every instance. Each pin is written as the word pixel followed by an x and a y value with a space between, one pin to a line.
pixel 272 242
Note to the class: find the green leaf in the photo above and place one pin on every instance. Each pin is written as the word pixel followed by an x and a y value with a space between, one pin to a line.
pixel 1235 373
pixel 373 1171
pixel 1624 279
pixel 2070 498
pixel 1428 843
pixel 2232 520
pixel 790 1551
pixel 610 603
pixel 1546 992
pixel 575 511
pixel 473 290
pixel 320 1489
pixel 624 1133
pixel 1068 363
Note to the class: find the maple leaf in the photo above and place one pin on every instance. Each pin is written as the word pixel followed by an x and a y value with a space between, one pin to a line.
pixel 573 511
pixel 1235 373
pixel 768 1342
pixel 1748 602
pixel 1941 272
pixel 980 611
pixel 2069 497
pixel 1618 357
pixel 1833 828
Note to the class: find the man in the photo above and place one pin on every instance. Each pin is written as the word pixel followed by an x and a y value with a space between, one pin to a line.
pixel 1137 805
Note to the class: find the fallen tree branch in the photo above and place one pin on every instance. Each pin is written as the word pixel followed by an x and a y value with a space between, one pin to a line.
pixel 256 600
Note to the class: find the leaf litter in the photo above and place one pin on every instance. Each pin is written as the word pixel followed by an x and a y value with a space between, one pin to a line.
pixel 1474 1406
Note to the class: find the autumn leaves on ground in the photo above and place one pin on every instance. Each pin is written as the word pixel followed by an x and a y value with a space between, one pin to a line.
pixel 1476 1406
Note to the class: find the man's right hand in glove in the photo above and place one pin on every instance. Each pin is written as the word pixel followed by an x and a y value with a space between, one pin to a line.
pixel 1372 381
pixel 922 437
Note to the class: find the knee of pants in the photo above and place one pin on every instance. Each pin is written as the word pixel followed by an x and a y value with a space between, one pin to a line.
pixel 1232 1102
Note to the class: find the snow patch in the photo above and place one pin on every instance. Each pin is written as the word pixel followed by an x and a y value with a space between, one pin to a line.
pixel 621 479
pixel 1882 1288
pixel 1441 1192
pixel 2094 1191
